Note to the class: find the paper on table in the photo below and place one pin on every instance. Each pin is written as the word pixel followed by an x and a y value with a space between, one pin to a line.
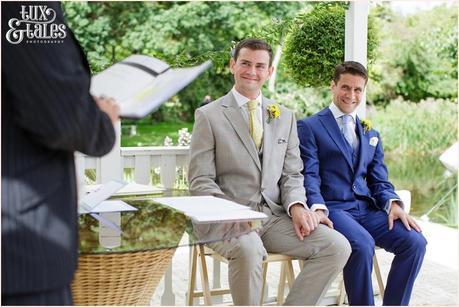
pixel 210 208
pixel 200 204
pixel 229 216
pixel 131 188
pixel 113 206
pixel 91 200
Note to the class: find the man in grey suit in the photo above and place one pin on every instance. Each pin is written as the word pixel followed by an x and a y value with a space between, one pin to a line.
pixel 245 147
pixel 47 114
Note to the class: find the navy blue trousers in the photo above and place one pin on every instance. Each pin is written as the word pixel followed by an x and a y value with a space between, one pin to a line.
pixel 366 227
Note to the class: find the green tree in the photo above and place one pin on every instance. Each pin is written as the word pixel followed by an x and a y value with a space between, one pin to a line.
pixel 315 45
pixel 180 33
pixel 417 57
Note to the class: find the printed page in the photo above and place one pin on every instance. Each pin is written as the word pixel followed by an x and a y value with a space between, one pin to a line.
pixel 160 90
pixel 140 84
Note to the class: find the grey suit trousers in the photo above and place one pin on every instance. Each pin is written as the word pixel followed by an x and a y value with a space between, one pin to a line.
pixel 325 252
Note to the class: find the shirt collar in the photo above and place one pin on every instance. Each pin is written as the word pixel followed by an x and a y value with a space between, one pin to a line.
pixel 337 113
pixel 242 100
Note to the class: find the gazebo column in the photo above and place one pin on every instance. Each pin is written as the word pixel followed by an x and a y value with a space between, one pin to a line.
pixel 356 38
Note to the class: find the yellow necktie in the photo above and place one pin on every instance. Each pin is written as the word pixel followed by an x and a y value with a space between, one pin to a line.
pixel 255 127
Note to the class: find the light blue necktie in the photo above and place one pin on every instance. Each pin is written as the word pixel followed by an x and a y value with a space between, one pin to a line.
pixel 349 131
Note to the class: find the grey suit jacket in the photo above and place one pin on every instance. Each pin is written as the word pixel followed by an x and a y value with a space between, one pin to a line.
pixel 224 159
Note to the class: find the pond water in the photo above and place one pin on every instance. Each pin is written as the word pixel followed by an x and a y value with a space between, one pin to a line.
pixel 433 193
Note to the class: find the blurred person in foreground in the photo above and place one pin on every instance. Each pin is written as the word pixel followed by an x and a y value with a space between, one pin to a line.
pixel 47 115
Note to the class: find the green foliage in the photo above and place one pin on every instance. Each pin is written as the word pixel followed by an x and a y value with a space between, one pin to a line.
pixel 414 135
pixel 180 33
pixel 101 27
pixel 315 45
pixel 417 57
pixel 446 208
pixel 303 101
pixel 426 128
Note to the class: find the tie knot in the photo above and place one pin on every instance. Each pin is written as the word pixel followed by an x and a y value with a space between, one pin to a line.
pixel 252 105
pixel 347 119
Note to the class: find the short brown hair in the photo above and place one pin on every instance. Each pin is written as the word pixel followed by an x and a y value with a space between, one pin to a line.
pixel 253 44
pixel 350 67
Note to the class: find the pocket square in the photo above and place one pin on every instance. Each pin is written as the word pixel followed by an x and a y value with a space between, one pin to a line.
pixel 281 141
pixel 374 141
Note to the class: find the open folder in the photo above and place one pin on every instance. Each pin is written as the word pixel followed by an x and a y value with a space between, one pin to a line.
pixel 210 209
pixel 91 202
pixel 140 83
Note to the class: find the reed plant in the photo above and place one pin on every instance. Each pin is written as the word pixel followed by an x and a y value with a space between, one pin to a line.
pixel 425 128
pixel 414 135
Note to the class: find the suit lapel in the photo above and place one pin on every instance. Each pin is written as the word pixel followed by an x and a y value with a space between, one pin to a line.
pixel 363 143
pixel 269 133
pixel 234 115
pixel 330 125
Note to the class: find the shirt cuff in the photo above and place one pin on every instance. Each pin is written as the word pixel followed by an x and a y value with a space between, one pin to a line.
pixel 399 202
pixel 315 207
pixel 295 202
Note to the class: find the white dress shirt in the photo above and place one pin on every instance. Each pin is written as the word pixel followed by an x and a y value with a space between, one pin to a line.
pixel 242 103
pixel 337 114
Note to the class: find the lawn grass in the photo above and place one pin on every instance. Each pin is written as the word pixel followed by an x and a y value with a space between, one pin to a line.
pixel 154 134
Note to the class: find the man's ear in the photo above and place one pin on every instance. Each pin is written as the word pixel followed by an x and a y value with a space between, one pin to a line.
pixel 332 84
pixel 231 65
pixel 270 71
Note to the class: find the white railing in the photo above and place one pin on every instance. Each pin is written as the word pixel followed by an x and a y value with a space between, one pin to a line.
pixel 142 160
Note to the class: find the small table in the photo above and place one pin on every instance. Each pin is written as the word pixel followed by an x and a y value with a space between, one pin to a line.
pixel 129 273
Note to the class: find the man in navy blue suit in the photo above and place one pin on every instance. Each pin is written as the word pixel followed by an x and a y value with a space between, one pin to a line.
pixel 345 176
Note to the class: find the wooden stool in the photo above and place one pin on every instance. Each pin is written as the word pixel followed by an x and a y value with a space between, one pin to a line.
pixel 201 251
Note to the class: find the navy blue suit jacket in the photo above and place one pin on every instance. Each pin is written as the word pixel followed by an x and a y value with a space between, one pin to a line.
pixel 329 175
pixel 47 114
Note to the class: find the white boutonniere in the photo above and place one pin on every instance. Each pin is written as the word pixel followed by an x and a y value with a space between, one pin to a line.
pixel 374 141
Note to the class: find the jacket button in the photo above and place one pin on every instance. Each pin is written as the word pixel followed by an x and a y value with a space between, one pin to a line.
pixel 353 186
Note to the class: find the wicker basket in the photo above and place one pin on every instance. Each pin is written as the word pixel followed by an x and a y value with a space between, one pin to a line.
pixel 119 279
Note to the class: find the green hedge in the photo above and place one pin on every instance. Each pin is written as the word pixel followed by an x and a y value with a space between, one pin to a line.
pixel 315 44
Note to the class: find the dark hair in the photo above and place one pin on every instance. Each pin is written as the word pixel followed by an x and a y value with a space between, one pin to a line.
pixel 350 67
pixel 253 44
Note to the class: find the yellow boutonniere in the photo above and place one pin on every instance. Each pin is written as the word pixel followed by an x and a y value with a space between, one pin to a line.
pixel 366 124
pixel 273 112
